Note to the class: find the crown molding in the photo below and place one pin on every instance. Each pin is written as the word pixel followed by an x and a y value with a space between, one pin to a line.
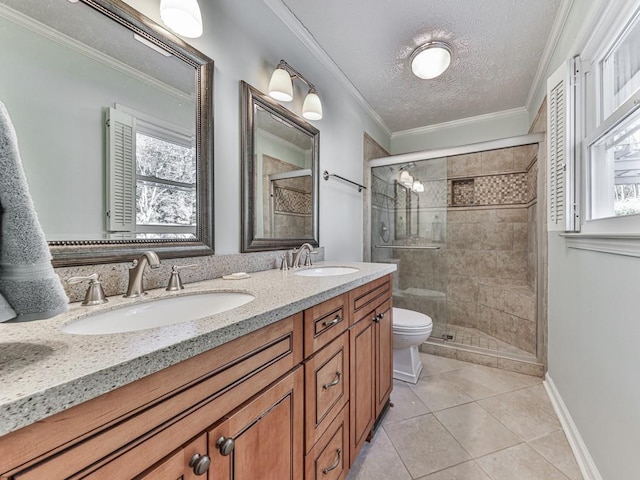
pixel 299 30
pixel 514 112
pixel 540 77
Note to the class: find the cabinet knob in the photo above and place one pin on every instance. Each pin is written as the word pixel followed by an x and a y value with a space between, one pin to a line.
pixel 378 317
pixel 226 445
pixel 200 464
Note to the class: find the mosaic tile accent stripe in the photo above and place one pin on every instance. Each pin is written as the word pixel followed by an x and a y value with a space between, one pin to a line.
pixel 287 200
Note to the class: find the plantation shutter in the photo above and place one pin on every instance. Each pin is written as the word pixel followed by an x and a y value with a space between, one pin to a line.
pixel 121 172
pixel 562 148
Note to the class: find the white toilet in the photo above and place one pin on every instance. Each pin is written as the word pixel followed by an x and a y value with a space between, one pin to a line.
pixel 410 329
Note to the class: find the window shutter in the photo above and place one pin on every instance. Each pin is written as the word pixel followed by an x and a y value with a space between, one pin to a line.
pixel 561 149
pixel 121 172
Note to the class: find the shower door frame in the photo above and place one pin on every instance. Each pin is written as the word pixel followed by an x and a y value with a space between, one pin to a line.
pixel 541 243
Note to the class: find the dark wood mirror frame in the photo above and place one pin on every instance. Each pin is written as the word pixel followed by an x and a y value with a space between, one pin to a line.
pixel 84 252
pixel 249 96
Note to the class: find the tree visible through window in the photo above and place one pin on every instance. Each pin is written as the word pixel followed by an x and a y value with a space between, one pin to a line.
pixel 165 182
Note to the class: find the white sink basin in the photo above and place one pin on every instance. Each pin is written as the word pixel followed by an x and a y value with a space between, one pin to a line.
pixel 157 313
pixel 325 271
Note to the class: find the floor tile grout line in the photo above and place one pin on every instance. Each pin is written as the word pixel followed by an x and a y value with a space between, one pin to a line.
pixel 397 452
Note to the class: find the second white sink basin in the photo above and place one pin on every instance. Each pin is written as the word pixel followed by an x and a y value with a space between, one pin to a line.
pixel 157 313
pixel 325 271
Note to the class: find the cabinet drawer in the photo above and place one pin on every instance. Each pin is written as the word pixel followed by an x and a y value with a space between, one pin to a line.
pixel 209 385
pixel 323 323
pixel 326 387
pixel 368 297
pixel 329 459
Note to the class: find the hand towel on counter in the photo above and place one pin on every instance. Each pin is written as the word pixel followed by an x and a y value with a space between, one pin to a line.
pixel 29 287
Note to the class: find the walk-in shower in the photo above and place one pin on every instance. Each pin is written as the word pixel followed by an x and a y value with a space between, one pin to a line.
pixel 461 225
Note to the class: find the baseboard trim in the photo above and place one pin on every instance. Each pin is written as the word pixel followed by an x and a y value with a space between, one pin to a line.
pixel 583 457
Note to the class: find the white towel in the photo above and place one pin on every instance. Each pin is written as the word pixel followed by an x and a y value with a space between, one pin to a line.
pixel 29 287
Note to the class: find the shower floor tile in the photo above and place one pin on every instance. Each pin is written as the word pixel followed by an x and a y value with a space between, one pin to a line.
pixel 472 337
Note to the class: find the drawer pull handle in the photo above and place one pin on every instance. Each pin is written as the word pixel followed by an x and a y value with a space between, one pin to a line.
pixel 226 445
pixel 329 323
pixel 200 464
pixel 335 465
pixel 334 383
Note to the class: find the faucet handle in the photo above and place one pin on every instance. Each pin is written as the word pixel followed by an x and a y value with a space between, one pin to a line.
pixel 175 282
pixel 307 260
pixel 95 293
pixel 284 265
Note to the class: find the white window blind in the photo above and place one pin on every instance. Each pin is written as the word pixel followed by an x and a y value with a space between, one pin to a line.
pixel 121 172
pixel 561 149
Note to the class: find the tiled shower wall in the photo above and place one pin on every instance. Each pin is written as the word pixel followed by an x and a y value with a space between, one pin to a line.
pixel 490 254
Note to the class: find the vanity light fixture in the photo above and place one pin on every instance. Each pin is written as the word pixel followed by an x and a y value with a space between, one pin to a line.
pixel 281 88
pixel 417 186
pixel 182 16
pixel 406 179
pixel 430 60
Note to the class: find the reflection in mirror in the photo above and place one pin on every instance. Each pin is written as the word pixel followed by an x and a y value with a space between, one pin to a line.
pixel 114 131
pixel 280 175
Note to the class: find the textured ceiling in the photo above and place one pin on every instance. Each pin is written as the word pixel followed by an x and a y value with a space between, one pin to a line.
pixel 497 46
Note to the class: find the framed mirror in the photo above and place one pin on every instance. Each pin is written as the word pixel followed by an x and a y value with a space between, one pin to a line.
pixel 114 120
pixel 280 172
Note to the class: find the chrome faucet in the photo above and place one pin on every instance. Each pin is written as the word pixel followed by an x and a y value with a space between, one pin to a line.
pixel 297 253
pixel 136 273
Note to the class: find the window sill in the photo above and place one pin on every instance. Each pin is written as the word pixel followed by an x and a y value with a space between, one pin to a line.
pixel 627 244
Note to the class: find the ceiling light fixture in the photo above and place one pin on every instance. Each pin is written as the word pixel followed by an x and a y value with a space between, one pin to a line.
pixel 182 16
pixel 430 60
pixel 281 88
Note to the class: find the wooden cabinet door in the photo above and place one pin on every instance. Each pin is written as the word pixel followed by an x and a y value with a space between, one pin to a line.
pixel 179 465
pixel 384 355
pixel 362 399
pixel 266 433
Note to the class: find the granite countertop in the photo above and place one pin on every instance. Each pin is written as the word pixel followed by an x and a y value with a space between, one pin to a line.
pixel 44 371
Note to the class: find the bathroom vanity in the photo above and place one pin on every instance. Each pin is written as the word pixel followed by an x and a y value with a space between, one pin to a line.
pixel 274 389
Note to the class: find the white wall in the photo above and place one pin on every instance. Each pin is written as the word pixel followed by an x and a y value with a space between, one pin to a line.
pixel 594 352
pixel 594 326
pixel 509 123
pixel 246 41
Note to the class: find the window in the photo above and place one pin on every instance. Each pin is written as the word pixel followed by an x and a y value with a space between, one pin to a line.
pixel 165 183
pixel 152 170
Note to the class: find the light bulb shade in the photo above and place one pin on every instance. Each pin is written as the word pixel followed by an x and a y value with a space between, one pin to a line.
pixel 430 60
pixel 311 107
pixel 417 186
pixel 406 179
pixel 280 86
pixel 182 16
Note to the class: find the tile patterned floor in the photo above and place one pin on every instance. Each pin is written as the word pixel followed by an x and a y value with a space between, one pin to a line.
pixel 468 422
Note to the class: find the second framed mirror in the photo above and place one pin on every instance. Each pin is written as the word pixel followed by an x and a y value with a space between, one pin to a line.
pixel 280 171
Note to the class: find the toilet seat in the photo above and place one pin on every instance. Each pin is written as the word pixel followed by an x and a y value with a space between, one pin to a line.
pixel 410 322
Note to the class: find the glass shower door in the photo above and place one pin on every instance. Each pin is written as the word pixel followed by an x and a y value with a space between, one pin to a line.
pixel 408 228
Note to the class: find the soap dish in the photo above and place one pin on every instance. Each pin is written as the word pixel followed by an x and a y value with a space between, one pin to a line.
pixel 236 276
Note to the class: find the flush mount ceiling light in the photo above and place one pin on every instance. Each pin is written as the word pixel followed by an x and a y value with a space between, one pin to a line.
pixel 182 16
pixel 430 60
pixel 281 88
